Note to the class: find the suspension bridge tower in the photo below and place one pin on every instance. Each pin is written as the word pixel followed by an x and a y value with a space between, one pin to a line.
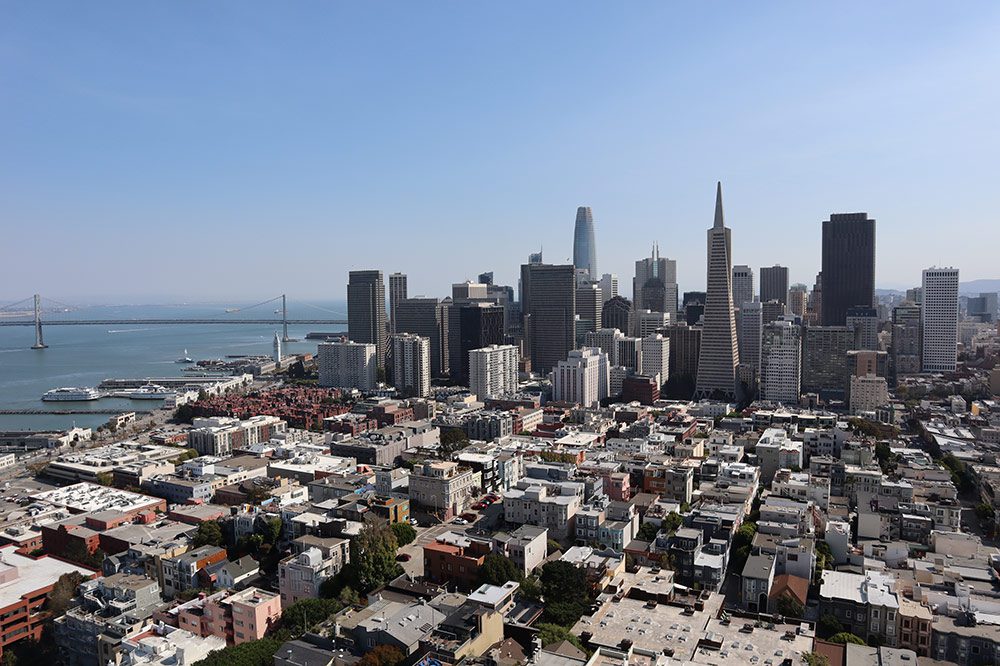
pixel 39 341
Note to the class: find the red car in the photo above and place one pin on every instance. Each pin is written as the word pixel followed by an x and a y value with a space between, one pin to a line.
pixel 479 506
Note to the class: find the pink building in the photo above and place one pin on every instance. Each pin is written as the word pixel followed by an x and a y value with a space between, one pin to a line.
pixel 238 617
pixel 618 487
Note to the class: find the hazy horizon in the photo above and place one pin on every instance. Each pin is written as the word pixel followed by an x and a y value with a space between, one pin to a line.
pixel 228 152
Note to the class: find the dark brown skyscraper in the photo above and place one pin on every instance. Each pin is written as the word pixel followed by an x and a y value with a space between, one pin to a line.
pixel 549 310
pixel 366 310
pixel 848 265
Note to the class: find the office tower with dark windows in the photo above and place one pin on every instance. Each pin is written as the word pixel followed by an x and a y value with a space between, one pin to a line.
pixel 864 322
pixel 617 313
pixel 772 310
pixel 694 306
pixel 588 307
pixel 685 350
pixel 904 352
pixel 584 246
pixel 743 288
pixel 719 355
pixel 824 360
pixel 486 278
pixel 397 293
pixel 848 265
pixel 655 284
pixel 939 320
pixel 774 284
pixel 751 328
pixel 549 312
pixel 366 311
pixel 814 311
pixel 426 317
pixel 471 325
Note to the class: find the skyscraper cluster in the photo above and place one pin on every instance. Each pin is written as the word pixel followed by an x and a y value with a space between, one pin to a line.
pixel 733 341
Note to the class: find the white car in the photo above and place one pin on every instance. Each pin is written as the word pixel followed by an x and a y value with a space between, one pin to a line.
pixel 461 521
pixel 413 521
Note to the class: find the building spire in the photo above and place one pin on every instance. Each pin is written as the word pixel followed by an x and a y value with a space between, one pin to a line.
pixel 718 206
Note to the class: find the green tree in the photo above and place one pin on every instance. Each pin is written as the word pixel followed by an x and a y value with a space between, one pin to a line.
pixel 672 522
pixel 566 592
pixel 845 637
pixel 554 633
pixel 373 556
pixel 305 614
pixel 531 588
pixel 208 533
pixel 453 439
pixel 828 625
pixel 63 592
pixel 647 532
pixel 789 606
pixel 740 548
pixel 984 511
pixel 497 570
pixel 404 533
pixel 382 655
pixel 105 478
pixel 552 546
pixel 815 659
pixel 253 653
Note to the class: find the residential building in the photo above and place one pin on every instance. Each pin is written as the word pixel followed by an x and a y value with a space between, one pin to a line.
pixel 905 357
pixel 493 371
pixel 443 487
pixel 583 378
pixel 238 617
pixel 864 322
pixel 781 355
pixel 868 393
pixel 939 320
pixel 656 357
pixel 824 360
pixel 411 364
pixel 348 364
pixel 220 435
pixel 315 560
pixel 180 573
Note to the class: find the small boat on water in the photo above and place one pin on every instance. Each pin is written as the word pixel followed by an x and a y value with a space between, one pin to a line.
pixel 185 358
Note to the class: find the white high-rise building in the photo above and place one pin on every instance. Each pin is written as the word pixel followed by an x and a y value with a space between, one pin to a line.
pixel 939 319
pixel 493 371
pixel 648 322
pixel 350 365
pixel 743 291
pixel 583 378
pixel 411 364
pixel 607 340
pixel 868 393
pixel 609 286
pixel 781 362
pixel 656 357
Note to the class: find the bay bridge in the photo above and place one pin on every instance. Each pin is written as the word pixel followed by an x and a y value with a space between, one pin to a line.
pixel 29 312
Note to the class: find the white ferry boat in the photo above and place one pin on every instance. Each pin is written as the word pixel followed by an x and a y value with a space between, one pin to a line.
pixel 185 358
pixel 151 392
pixel 69 394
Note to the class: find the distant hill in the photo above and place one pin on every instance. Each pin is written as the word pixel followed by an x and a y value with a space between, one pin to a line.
pixel 975 287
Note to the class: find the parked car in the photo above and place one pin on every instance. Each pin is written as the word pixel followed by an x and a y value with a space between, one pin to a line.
pixel 460 521
pixel 479 506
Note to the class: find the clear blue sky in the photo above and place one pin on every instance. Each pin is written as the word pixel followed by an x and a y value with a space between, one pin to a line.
pixel 240 149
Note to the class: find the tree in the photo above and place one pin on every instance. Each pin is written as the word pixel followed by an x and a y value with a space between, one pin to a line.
pixel 672 522
pixel 530 589
pixel 497 570
pixel 828 625
pixel 105 478
pixel 373 556
pixel 740 549
pixel 382 655
pixel 789 606
pixel 553 633
pixel 552 546
pixel 404 533
pixel 208 533
pixel 63 592
pixel 815 659
pixel 453 439
pixel 647 532
pixel 305 614
pixel 566 592
pixel 845 637
pixel 252 653
pixel 984 511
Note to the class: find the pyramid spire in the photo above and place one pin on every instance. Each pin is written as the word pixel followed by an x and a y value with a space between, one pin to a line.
pixel 718 206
